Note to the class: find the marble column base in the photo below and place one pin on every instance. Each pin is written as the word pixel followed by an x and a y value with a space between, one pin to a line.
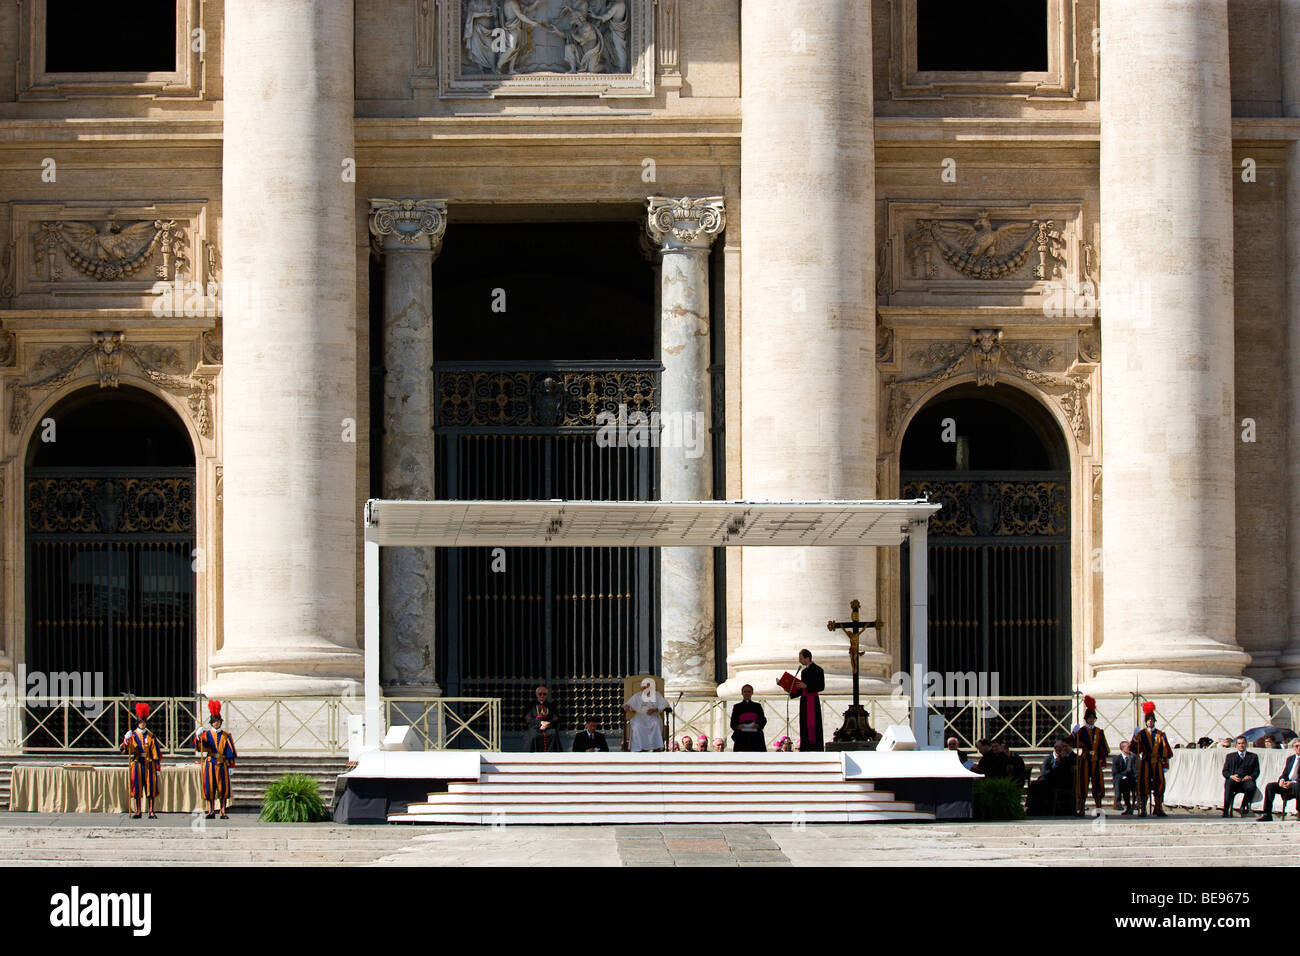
pixel 288 670
pixel 1289 664
pixel 1194 665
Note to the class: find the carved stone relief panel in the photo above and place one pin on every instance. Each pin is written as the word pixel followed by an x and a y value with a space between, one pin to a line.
pixel 1004 254
pixel 98 255
pixel 1050 365
pixel 101 358
pixel 547 48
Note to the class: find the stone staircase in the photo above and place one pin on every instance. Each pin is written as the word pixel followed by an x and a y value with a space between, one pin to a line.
pixel 249 780
pixel 611 789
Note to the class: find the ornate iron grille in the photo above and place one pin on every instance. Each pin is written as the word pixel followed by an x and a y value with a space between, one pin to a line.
pixel 110 579
pixel 999 570
pixel 576 619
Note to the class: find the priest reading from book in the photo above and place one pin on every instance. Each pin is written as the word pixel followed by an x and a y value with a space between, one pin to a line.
pixel 542 729
pixel 645 722
pixel 806 685
pixel 747 723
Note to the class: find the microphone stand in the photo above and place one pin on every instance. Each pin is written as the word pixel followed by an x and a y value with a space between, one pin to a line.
pixel 673 710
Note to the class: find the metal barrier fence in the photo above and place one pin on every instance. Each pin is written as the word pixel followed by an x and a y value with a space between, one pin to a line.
pixel 295 725
pixel 320 725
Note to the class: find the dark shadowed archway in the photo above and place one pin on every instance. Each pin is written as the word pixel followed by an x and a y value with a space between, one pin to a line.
pixel 1000 548
pixel 109 516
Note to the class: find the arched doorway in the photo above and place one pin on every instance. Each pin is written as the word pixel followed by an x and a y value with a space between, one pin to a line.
pixel 1000 548
pixel 109 515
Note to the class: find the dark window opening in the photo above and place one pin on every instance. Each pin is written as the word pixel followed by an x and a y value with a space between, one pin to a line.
pixel 91 36
pixel 112 429
pixel 541 291
pixel 968 433
pixel 1006 36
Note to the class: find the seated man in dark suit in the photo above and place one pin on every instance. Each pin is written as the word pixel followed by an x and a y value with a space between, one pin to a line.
pixel 1047 794
pixel 1123 771
pixel 993 760
pixel 1287 786
pixel 1240 771
pixel 590 740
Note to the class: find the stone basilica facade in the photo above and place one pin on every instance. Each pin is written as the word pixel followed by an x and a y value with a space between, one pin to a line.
pixel 276 257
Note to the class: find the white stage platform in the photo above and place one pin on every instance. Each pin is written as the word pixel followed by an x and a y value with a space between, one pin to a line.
pixel 569 788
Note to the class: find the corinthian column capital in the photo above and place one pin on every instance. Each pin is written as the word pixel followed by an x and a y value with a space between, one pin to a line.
pixel 686 223
pixel 413 224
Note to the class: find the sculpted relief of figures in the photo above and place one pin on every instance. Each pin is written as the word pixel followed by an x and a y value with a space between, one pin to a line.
pixel 505 37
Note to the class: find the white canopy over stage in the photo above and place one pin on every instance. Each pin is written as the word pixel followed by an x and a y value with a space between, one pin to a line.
pixel 654 524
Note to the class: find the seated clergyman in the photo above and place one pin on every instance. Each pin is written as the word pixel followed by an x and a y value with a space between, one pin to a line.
pixel 645 721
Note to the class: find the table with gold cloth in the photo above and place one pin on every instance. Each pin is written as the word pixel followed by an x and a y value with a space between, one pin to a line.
pixel 85 789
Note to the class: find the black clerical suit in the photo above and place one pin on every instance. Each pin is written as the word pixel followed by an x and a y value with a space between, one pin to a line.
pixel 1057 774
pixel 1123 772
pixel 810 708
pixel 1277 790
pixel 536 739
pixel 993 764
pixel 583 741
pixel 1243 764
pixel 748 741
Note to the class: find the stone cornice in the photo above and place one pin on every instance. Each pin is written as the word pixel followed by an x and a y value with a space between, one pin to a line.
pixel 967 316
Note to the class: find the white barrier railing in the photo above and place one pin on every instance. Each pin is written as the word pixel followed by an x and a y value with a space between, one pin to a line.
pixel 297 725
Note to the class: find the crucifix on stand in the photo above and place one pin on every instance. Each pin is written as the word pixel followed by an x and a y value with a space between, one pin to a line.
pixel 856 727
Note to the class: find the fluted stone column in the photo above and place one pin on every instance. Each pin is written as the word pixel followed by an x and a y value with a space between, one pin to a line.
pixel 410 233
pixel 1168 435
pixel 289 380
pixel 1289 659
pixel 684 229
pixel 808 382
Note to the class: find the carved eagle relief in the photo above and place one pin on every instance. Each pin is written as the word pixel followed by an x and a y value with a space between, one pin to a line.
pixel 980 251
pixel 110 250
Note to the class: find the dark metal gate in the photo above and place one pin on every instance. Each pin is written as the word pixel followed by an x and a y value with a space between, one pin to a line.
pixel 110 581
pixel 999 570
pixel 576 619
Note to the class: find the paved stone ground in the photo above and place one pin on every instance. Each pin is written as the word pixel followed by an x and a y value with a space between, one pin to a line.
pixel 1191 839
pixel 698 845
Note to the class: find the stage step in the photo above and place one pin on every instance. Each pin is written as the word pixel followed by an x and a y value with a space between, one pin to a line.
pixel 662 789
pixel 663 817
pixel 489 797
pixel 500 786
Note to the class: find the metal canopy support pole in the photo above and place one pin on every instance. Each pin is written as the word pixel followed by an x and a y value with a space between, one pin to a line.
pixel 374 727
pixel 919 568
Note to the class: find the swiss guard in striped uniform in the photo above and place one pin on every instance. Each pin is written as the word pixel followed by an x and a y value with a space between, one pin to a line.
pixel 218 749
pixel 144 760
pixel 1151 747
pixel 1089 741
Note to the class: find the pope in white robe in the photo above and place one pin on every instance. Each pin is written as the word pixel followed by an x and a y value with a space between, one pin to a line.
pixel 645 718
